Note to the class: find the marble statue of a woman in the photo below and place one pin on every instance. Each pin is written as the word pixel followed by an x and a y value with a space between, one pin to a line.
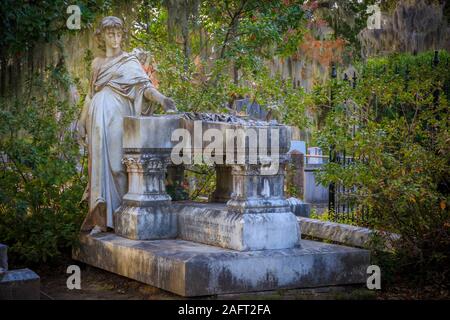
pixel 119 87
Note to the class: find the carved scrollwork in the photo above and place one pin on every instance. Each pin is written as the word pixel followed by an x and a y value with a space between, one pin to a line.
pixel 145 163
pixel 246 169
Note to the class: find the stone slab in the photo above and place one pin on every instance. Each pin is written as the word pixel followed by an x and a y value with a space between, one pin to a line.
pixel 192 269
pixel 146 223
pixel 155 133
pixel 344 233
pixel 314 193
pixel 213 224
pixel 299 208
pixel 21 284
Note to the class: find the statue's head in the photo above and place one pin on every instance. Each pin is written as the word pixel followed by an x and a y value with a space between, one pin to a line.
pixel 110 33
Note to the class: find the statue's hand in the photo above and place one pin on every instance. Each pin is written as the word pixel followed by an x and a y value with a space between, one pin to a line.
pixel 82 122
pixel 81 134
pixel 169 105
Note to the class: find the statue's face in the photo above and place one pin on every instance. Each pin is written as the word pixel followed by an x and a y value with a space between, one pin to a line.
pixel 113 38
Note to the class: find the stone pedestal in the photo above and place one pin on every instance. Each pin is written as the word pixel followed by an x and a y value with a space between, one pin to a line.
pixel 215 225
pixel 145 212
pixel 20 284
pixel 295 174
pixel 146 178
pixel 255 192
pixel 193 269
pixel 258 216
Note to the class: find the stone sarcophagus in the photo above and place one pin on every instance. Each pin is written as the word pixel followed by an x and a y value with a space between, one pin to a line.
pixel 246 239
pixel 250 159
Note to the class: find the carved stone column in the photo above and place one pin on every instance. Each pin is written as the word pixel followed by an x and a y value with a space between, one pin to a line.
pixel 258 211
pixel 145 212
pixel 224 184
pixel 256 192
pixel 146 179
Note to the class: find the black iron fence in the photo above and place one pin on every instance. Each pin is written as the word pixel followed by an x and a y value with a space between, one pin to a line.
pixel 342 202
pixel 345 203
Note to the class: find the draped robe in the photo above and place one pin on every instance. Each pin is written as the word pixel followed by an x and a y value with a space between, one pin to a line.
pixel 117 90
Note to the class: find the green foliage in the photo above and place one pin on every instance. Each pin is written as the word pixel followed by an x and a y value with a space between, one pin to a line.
pixel 40 187
pixel 248 29
pixel 26 23
pixel 204 178
pixel 401 144
pixel 242 33
pixel 330 216
pixel 347 18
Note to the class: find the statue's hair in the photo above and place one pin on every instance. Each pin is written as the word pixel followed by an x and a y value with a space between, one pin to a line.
pixel 109 22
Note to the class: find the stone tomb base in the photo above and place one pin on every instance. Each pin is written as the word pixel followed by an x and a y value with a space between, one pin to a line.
pixel 211 223
pixel 193 269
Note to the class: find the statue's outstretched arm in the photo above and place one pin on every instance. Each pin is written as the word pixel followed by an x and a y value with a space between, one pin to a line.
pixel 82 121
pixel 152 94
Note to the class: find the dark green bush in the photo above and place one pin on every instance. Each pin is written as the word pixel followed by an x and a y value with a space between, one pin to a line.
pixel 40 186
pixel 402 143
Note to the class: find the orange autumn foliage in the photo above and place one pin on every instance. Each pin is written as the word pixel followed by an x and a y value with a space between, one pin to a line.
pixel 323 51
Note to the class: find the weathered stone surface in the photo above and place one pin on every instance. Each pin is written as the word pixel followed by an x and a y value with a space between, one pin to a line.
pixel 191 269
pixel 342 233
pixel 145 223
pixel 338 232
pixel 3 257
pixel 248 188
pixel 295 174
pixel 146 178
pixel 213 224
pixel 224 184
pixel 299 208
pixel 314 193
pixel 151 133
pixel 154 133
pixel 254 192
pixel 21 284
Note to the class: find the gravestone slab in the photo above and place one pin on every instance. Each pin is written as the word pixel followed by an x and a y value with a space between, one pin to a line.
pixel 193 269
pixel 21 284
pixel 299 208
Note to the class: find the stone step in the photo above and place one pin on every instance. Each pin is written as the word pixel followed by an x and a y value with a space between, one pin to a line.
pixel 212 224
pixel 20 284
pixel 193 269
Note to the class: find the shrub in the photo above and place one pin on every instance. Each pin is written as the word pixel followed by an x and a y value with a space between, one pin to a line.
pixel 402 144
pixel 40 186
